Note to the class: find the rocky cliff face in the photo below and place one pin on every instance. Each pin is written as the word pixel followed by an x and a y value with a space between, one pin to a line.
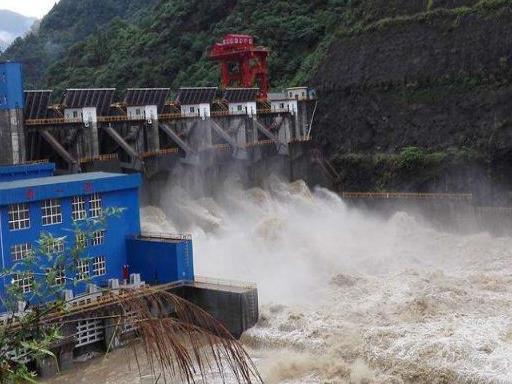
pixel 436 80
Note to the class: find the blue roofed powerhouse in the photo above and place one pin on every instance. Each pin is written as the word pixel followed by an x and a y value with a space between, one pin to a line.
pixel 33 202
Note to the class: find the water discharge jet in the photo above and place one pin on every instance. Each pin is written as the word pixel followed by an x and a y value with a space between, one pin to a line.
pixel 349 297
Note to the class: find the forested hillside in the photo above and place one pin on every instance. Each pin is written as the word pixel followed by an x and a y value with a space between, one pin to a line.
pixel 67 24
pixel 156 43
pixel 410 90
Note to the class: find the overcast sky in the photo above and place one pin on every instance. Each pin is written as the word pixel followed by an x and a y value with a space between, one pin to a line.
pixel 35 8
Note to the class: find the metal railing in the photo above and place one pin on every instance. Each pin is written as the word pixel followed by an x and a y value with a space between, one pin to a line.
pixel 107 157
pixel 165 236
pixel 408 196
pixel 112 119
pixel 224 282
pixel 161 152
pixel 161 117
pixel 54 121
pixel 33 162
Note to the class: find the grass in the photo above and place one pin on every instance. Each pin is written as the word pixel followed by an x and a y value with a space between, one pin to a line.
pixel 429 15
pixel 408 169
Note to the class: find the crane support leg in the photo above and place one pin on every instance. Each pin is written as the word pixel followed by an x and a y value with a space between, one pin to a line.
pixel 282 147
pixel 238 152
pixel 54 143
pixel 122 143
pixel 192 156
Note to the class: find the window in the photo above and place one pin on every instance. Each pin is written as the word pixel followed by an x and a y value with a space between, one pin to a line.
pixel 192 109
pixel 23 281
pixel 137 111
pixel 19 217
pixel 281 105
pixel 54 246
pixel 95 206
pixel 58 277
pixel 240 108
pixel 75 114
pixel 78 207
pixel 21 251
pixel 51 212
pixel 99 266
pixel 98 238
pixel 81 240
pixel 82 270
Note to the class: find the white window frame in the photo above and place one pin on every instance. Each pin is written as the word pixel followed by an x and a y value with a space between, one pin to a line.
pixel 99 266
pixel 98 238
pixel 79 212
pixel 51 212
pixel 60 276
pixel 19 217
pixel 95 206
pixel 81 240
pixel 54 246
pixel 23 281
pixel 21 251
pixel 83 270
pixel 192 110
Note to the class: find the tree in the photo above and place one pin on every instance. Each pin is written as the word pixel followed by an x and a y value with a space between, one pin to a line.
pixel 187 343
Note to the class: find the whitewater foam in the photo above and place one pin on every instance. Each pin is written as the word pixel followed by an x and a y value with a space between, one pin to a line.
pixel 348 297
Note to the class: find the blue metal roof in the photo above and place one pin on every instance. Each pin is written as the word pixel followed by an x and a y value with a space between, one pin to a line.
pixel 43 188
pixel 26 171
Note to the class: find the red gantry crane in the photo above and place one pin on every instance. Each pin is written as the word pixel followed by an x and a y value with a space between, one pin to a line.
pixel 243 64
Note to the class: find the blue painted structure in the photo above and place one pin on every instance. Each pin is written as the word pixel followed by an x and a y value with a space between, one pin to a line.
pixel 11 86
pixel 161 260
pixel 26 171
pixel 123 243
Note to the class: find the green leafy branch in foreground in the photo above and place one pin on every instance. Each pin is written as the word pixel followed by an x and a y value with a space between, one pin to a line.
pixel 182 341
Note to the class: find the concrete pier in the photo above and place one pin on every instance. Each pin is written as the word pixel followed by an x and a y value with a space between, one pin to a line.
pixel 232 304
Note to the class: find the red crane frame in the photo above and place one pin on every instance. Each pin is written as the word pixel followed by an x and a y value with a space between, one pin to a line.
pixel 243 64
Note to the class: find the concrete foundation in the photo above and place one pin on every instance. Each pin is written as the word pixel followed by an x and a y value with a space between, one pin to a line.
pixel 236 308
pixel 232 305
pixel 12 137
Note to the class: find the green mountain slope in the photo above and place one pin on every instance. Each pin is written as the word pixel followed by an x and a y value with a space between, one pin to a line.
pixel 68 23
pixel 163 42
pixel 166 44
pixel 391 74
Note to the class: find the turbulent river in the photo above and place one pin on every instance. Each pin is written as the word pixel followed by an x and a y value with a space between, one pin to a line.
pixel 346 297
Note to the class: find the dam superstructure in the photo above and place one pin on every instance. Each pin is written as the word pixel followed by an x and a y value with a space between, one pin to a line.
pixel 151 130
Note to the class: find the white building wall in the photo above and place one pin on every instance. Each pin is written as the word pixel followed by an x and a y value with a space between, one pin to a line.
pixel 151 112
pixel 202 110
pixel 87 114
pixel 73 114
pixel 135 113
pixel 284 106
pixel 145 112
pixel 299 93
pixel 248 108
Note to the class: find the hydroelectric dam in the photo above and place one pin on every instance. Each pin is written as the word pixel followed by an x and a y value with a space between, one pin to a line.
pixel 239 127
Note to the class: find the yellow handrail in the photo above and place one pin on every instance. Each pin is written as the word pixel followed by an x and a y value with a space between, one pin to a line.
pixel 407 195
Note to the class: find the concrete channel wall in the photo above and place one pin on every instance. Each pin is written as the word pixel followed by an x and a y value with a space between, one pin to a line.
pixel 234 305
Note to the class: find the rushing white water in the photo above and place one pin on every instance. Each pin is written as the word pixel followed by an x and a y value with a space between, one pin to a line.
pixel 347 297
pixel 342 291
